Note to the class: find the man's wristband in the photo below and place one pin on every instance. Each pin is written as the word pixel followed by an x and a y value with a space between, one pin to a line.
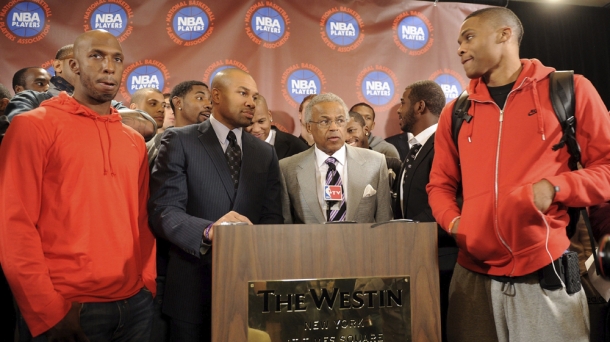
pixel 450 228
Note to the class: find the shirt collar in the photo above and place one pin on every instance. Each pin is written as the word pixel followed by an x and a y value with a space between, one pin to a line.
pixel 321 156
pixel 222 131
pixel 423 136
pixel 270 137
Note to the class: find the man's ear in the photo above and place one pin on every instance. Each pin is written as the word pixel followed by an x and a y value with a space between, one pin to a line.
pixel 308 127
pixel 3 104
pixel 132 106
pixel 420 107
pixel 177 101
pixel 18 89
pixel 57 66
pixel 505 34
pixel 215 96
pixel 74 66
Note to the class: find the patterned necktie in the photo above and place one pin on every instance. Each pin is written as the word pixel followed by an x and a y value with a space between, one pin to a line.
pixel 411 158
pixel 334 178
pixel 409 161
pixel 233 155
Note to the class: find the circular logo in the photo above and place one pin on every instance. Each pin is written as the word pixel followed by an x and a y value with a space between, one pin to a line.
pixel 26 21
pixel 144 74
pixel 342 29
pixel 376 85
pixel 220 65
pixel 301 80
pixel 267 25
pixel 189 24
pixel 413 33
pixel 112 17
pixel 48 66
pixel 451 83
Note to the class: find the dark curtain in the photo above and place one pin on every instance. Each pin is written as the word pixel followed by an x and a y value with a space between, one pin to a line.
pixel 568 38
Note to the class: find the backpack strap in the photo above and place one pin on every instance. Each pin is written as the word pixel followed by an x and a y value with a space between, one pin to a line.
pixel 460 113
pixel 562 98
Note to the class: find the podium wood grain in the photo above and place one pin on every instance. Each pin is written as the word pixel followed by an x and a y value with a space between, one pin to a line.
pixel 274 252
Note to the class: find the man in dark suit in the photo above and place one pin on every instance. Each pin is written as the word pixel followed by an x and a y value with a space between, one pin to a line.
pixel 285 144
pixel 421 105
pixel 206 174
pixel 401 142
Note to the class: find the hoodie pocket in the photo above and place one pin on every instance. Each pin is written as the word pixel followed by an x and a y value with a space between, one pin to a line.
pixel 521 225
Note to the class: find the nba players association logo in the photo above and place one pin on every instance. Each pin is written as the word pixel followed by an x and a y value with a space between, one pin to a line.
pixel 220 65
pixel 341 29
pixel 25 22
pixel 148 73
pixel 377 85
pixel 413 33
pixel 267 24
pixel 48 66
pixel 189 24
pixel 110 15
pixel 450 81
pixel 301 80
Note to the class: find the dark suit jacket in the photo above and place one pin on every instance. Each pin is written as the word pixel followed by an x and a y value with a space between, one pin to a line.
pixel 415 200
pixel 191 188
pixel 287 145
pixel 416 206
pixel 401 142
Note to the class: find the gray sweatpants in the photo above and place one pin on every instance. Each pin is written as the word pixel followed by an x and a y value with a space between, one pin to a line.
pixel 482 309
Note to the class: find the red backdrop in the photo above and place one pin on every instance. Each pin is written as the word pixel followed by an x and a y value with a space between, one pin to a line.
pixel 360 50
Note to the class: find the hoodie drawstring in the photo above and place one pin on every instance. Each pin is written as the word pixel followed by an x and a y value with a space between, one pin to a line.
pixel 470 125
pixel 537 105
pixel 109 148
pixel 105 154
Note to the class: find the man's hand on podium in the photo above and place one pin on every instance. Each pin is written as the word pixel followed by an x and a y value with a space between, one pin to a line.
pixel 231 217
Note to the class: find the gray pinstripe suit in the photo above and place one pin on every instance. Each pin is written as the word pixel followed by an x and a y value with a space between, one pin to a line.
pixel 191 188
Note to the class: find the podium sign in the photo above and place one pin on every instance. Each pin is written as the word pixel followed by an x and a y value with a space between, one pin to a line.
pixel 339 310
pixel 296 259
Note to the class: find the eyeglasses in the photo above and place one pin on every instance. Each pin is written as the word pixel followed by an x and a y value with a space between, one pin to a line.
pixel 340 122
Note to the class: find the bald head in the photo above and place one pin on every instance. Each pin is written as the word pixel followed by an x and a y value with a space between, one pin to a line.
pixel 233 97
pixel 223 77
pixel 98 64
pixel 261 122
pixel 500 17
pixel 261 104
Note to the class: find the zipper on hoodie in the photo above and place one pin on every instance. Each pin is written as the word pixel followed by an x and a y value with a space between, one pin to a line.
pixel 496 171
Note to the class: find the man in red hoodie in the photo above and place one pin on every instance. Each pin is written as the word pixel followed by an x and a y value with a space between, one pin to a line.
pixel 74 238
pixel 516 189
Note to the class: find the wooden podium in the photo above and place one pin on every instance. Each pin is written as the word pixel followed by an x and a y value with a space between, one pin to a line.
pixel 275 252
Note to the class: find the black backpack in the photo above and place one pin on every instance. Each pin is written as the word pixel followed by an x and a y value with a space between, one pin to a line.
pixel 562 97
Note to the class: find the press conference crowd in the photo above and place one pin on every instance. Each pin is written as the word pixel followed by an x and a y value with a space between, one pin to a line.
pixel 108 210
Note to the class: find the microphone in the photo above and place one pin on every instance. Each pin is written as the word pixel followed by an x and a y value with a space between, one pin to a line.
pixel 332 193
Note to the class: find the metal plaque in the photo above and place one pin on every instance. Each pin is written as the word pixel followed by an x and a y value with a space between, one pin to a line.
pixel 330 310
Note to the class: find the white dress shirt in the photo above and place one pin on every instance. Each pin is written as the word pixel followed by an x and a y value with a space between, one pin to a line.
pixel 222 131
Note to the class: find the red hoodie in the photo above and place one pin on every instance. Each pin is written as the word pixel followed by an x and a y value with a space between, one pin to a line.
pixel 501 154
pixel 73 220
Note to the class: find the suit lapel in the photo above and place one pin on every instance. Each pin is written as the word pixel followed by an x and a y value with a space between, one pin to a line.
pixel 210 143
pixel 356 179
pixel 306 176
